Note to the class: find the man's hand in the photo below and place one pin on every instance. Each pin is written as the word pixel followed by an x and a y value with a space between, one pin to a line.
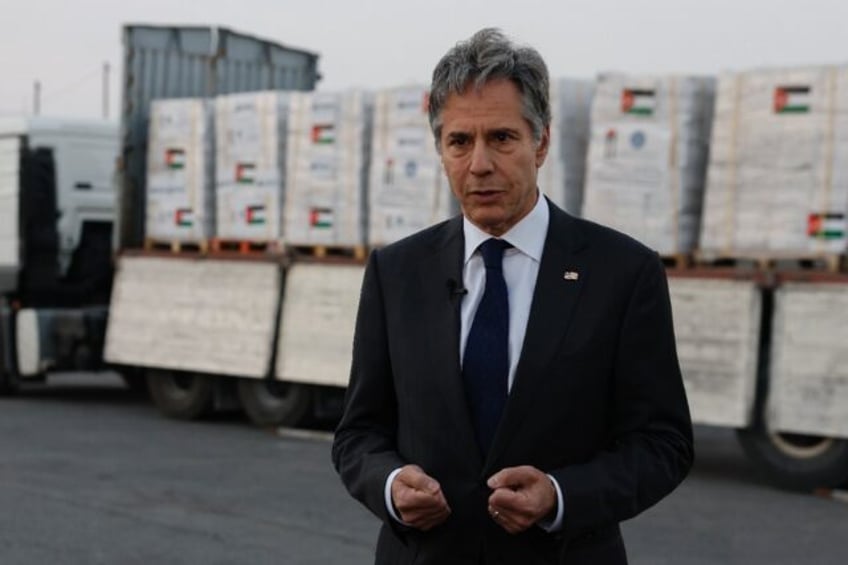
pixel 521 497
pixel 418 498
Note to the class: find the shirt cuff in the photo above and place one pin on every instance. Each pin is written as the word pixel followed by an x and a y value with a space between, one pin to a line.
pixel 387 495
pixel 556 524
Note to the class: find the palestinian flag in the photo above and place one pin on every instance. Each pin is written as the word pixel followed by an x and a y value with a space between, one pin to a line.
pixel 245 173
pixel 638 102
pixel 321 218
pixel 323 134
pixel 183 217
pixel 255 215
pixel 791 99
pixel 175 158
pixel 826 226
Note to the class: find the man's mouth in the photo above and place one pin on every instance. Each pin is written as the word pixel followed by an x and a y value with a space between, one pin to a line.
pixel 484 192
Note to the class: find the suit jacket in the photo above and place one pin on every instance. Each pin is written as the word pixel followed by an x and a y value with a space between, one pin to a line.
pixel 597 400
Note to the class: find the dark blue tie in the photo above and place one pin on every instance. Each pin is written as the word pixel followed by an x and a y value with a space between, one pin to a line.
pixel 485 365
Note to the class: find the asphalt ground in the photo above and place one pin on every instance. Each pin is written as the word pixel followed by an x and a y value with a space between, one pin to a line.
pixel 91 474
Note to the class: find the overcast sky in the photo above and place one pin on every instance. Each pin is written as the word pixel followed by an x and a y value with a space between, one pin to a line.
pixel 379 43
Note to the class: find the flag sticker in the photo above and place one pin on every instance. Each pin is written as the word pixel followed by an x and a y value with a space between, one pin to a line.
pixel 638 101
pixel 791 99
pixel 183 217
pixel 245 173
pixel 175 158
pixel 321 218
pixel 827 225
pixel 323 134
pixel 255 215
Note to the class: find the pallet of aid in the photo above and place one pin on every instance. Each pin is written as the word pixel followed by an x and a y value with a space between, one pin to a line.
pixel 180 207
pixel 328 145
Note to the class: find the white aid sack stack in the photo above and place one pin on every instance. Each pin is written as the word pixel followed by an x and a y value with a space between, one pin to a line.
pixel 180 192
pixel 777 182
pixel 647 157
pixel 327 168
pixel 408 189
pixel 251 133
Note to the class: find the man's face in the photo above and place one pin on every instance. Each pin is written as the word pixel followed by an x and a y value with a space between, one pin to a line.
pixel 490 156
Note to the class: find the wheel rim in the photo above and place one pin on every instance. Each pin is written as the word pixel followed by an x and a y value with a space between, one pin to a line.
pixel 801 446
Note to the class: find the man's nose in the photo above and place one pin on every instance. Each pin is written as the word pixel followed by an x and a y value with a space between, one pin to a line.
pixel 481 160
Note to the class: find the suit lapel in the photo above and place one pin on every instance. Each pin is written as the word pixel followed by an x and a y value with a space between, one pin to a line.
pixel 440 275
pixel 554 298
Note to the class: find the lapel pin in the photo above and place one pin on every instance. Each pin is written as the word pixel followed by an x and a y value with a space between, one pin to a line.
pixel 571 275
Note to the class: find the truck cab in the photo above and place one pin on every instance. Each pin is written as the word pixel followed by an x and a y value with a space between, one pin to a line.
pixel 57 212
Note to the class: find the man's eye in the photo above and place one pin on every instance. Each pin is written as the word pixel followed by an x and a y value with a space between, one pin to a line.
pixel 502 136
pixel 458 141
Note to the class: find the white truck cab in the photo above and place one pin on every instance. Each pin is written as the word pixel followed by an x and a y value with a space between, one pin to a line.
pixel 57 212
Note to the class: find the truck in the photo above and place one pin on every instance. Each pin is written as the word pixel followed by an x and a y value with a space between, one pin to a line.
pixel 200 328
pixel 57 212
pixel 272 331
pixel 762 351
pixel 72 215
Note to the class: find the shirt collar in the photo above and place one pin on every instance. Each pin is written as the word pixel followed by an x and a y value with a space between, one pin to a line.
pixel 527 236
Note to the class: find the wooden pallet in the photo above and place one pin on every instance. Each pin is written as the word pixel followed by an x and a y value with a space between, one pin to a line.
pixel 321 251
pixel 831 263
pixel 244 246
pixel 176 246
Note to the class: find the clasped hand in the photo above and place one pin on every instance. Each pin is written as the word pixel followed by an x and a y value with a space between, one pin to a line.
pixel 521 496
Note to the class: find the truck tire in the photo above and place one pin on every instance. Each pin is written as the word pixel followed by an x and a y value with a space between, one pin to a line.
pixel 181 395
pixel 275 403
pixel 796 461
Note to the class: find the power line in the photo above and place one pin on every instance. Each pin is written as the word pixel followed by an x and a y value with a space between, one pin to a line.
pixel 49 95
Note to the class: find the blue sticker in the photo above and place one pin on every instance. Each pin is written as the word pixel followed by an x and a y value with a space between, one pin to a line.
pixel 411 168
pixel 637 139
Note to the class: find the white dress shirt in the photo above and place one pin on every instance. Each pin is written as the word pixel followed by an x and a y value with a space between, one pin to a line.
pixel 520 270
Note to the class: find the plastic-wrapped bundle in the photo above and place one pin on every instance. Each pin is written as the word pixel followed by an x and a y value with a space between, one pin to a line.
pixel 562 175
pixel 327 168
pixel 647 157
pixel 777 181
pixel 408 189
pixel 180 171
pixel 250 164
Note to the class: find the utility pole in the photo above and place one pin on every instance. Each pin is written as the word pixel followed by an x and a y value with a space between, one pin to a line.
pixel 36 98
pixel 106 90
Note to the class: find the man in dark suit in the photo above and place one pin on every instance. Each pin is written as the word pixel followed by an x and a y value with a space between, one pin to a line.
pixel 515 391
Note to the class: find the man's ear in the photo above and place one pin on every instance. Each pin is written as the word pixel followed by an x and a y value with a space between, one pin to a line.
pixel 544 145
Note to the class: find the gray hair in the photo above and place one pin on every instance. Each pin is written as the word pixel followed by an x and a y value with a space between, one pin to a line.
pixel 490 55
